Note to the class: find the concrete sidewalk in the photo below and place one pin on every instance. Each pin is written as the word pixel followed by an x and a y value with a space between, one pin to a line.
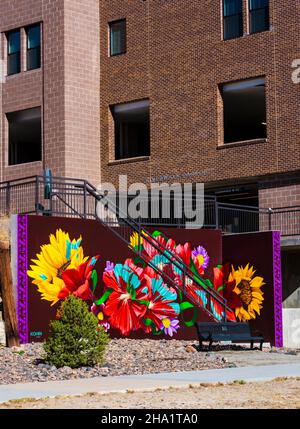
pixel 145 382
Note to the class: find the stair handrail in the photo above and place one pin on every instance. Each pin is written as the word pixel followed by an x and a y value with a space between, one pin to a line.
pixel 174 259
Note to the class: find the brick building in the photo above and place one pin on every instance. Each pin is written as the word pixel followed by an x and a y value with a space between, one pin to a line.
pixel 179 71
pixel 63 89
pixel 160 90
pixel 179 79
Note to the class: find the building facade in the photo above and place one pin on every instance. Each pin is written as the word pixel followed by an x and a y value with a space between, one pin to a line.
pixel 56 99
pixel 166 107
pixel 158 90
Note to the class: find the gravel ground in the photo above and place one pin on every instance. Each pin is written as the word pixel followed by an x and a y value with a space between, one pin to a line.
pixel 278 394
pixel 123 357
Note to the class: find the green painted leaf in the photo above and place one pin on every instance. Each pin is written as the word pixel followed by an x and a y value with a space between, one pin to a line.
pixel 147 322
pixel 144 302
pixel 94 278
pixel 185 306
pixel 156 332
pixel 209 283
pixel 104 297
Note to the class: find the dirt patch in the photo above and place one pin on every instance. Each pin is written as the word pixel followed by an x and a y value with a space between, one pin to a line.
pixel 278 394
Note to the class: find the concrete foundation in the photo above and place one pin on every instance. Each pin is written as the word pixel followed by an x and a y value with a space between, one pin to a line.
pixel 291 327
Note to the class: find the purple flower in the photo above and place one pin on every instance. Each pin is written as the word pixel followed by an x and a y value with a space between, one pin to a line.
pixel 170 326
pixel 109 266
pixel 201 257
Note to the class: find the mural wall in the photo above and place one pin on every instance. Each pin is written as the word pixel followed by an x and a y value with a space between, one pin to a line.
pixel 58 257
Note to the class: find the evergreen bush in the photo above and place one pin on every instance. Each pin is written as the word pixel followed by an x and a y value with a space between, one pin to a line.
pixel 75 338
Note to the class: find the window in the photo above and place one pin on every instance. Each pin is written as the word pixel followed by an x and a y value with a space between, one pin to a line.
pixel 233 18
pixel 25 136
pixel 244 105
pixel 13 52
pixel 259 15
pixel 33 47
pixel 132 129
pixel 117 37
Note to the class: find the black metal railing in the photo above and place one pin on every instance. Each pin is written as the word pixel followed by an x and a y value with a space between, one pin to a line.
pixel 70 197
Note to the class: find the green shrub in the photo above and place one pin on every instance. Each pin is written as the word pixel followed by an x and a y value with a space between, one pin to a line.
pixel 75 338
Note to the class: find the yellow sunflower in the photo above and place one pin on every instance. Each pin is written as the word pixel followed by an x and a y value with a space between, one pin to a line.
pixel 248 288
pixel 134 240
pixel 61 254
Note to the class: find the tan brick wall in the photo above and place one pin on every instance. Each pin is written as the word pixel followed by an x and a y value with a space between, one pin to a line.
pixel 176 57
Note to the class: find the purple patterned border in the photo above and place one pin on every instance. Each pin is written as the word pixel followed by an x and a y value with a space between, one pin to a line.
pixel 277 278
pixel 22 288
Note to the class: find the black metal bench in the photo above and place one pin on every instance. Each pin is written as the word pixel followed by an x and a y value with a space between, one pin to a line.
pixel 226 331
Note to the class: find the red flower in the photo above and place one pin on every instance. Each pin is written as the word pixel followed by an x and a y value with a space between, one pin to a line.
pixel 77 281
pixel 161 302
pixel 123 306
pixel 226 288
pixel 184 252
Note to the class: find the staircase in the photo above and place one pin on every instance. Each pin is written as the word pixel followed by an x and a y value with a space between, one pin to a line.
pixel 78 198
pixel 203 296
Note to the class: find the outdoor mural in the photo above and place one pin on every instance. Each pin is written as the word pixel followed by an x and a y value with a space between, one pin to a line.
pixel 132 296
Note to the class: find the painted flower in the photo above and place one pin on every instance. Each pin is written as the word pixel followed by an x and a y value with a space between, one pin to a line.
pixel 98 311
pixel 126 304
pixel 225 287
pixel 155 245
pixel 77 281
pixel 248 289
pixel 56 257
pixel 109 266
pixel 184 252
pixel 170 326
pixel 161 302
pixel 135 240
pixel 201 259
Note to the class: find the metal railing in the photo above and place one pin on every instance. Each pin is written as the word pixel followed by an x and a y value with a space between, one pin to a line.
pixel 70 197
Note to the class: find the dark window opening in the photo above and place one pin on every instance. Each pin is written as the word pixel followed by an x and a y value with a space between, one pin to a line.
pixel 244 106
pixel 25 136
pixel 259 15
pixel 117 36
pixel 13 52
pixel 132 129
pixel 232 18
pixel 33 47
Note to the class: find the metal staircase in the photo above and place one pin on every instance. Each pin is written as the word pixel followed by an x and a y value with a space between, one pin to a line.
pixel 189 281
pixel 67 197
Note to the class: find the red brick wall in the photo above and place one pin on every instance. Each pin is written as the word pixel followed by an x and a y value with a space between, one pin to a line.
pixel 176 57
pixel 283 196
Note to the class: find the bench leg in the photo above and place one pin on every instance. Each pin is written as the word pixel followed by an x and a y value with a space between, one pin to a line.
pixel 210 344
pixel 261 346
pixel 252 344
pixel 200 345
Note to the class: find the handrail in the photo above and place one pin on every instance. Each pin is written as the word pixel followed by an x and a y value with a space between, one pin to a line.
pixel 164 251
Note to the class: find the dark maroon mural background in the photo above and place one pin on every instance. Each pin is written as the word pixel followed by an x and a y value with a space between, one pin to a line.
pixel 98 240
pixel 256 249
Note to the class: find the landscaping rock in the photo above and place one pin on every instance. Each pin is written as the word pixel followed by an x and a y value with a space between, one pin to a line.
pixel 123 357
pixel 190 349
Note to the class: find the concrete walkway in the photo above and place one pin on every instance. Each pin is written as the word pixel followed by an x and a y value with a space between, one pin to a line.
pixel 145 382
